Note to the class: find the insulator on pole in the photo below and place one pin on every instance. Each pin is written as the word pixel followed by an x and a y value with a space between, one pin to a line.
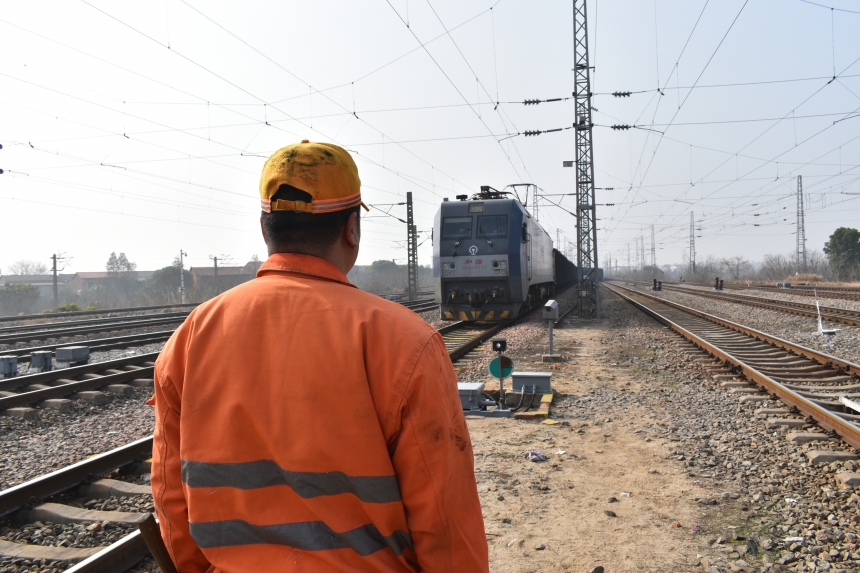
pixel 621 94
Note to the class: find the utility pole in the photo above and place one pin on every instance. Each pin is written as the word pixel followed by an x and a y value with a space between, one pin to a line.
pixel 182 274
pixel 628 258
pixel 641 252
pixel 653 253
pixel 215 270
pixel 586 214
pixel 56 295
pixel 412 250
pixel 801 230
pixel 692 245
pixel 638 261
pixel 55 258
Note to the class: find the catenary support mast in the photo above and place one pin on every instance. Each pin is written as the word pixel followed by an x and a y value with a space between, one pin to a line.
pixel 692 245
pixel 586 214
pixel 801 230
pixel 412 249
pixel 653 253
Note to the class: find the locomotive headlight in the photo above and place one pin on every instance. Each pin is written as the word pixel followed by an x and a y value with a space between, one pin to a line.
pixel 500 264
pixel 448 266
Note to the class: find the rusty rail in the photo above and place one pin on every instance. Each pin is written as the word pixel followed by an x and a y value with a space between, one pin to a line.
pixel 828 420
pixel 829 313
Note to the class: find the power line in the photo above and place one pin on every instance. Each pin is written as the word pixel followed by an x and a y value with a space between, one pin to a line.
pixel 444 73
pixel 236 37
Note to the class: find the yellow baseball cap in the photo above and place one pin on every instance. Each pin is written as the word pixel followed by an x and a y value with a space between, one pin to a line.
pixel 324 171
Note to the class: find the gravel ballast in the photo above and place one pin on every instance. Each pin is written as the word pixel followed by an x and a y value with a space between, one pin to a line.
pixel 798 329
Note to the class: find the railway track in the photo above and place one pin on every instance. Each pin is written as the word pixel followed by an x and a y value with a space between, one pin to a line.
pixel 845 293
pixel 420 305
pixel 828 313
pixel 812 384
pixel 55 388
pixel 109 311
pixel 68 499
pixel 463 337
pixel 68 496
pixel 30 333
pixel 96 344
pixel 131 340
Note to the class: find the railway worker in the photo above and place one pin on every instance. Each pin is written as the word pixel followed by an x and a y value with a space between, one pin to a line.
pixel 305 425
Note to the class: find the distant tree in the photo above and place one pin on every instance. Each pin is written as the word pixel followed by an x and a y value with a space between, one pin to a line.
pixel 121 274
pixel 163 286
pixel 653 272
pixel 119 264
pixel 736 266
pixel 817 263
pixel 707 268
pixel 776 267
pixel 18 298
pixel 843 250
pixel 253 265
pixel 23 267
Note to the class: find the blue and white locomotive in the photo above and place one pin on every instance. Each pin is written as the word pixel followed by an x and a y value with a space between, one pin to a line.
pixel 491 259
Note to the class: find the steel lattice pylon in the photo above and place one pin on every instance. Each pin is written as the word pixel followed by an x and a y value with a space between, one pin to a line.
pixel 801 230
pixel 586 214
pixel 692 246
pixel 411 250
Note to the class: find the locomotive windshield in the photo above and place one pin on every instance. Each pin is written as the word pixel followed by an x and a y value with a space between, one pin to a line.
pixel 457 228
pixel 493 226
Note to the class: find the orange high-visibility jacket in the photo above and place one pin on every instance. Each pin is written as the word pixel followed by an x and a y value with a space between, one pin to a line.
pixel 305 425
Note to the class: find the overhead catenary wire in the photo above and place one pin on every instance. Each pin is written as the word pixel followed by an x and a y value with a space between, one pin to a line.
pixel 829 81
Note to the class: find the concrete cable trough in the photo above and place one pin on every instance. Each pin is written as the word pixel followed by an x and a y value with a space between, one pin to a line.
pixel 806 380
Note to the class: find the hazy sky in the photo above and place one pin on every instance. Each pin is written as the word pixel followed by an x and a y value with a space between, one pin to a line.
pixel 142 127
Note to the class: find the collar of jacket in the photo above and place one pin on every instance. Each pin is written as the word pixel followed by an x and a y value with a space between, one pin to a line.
pixel 305 265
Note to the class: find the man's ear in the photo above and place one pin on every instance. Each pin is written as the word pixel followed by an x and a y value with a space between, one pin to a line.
pixel 352 230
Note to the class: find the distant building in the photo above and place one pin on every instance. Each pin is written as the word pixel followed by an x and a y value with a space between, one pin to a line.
pixel 205 278
pixel 84 282
pixel 45 283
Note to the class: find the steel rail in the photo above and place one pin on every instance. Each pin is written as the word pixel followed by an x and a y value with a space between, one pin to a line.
pixel 476 340
pixel 119 556
pixel 78 330
pixel 828 292
pixel 828 313
pixel 35 396
pixel 828 420
pixel 74 371
pixel 95 344
pixel 64 479
pixel 820 357
pixel 49 315
pixel 71 323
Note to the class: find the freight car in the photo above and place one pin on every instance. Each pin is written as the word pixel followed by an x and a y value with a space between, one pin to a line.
pixel 491 259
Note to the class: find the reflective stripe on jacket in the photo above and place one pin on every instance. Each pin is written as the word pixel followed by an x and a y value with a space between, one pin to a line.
pixel 305 425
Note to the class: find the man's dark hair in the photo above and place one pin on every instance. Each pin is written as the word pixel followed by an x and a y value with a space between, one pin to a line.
pixel 302 233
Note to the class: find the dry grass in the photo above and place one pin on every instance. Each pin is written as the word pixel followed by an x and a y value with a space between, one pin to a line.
pixel 805 278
